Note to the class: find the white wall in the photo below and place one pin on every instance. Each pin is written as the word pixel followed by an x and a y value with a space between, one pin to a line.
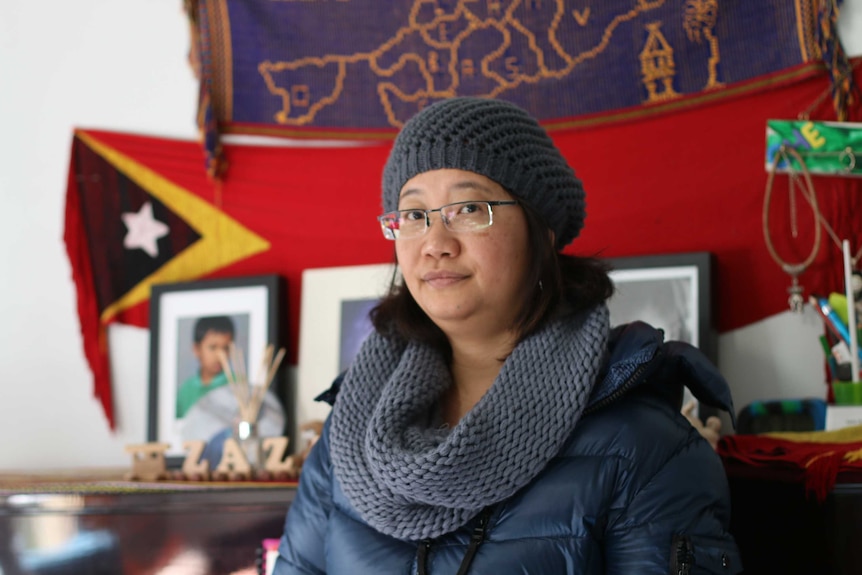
pixel 88 63
pixel 121 66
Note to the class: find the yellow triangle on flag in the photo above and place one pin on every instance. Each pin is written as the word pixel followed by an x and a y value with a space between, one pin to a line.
pixel 223 240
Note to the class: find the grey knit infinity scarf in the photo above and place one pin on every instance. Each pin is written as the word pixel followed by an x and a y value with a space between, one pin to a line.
pixel 413 481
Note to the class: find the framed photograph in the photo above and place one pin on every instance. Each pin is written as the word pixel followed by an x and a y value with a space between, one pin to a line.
pixel 333 323
pixel 671 292
pixel 189 398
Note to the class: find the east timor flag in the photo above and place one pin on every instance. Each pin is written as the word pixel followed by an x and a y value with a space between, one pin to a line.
pixel 142 211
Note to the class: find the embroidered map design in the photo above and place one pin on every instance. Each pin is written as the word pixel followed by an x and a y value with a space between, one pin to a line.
pixel 373 64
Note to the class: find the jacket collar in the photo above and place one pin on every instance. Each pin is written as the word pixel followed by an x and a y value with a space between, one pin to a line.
pixel 638 355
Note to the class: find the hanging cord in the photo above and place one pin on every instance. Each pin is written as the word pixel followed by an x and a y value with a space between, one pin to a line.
pixel 854 260
pixel 796 300
pixel 808 193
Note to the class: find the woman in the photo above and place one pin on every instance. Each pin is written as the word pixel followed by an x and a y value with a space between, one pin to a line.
pixel 493 422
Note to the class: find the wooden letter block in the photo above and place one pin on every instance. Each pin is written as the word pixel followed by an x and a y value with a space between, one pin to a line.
pixel 276 446
pixel 193 467
pixel 148 462
pixel 233 461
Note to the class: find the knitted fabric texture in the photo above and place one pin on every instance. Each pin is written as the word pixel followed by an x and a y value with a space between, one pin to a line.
pixel 498 140
pixel 412 481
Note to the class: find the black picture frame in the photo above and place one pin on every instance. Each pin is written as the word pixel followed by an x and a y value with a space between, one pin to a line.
pixel 673 292
pixel 253 305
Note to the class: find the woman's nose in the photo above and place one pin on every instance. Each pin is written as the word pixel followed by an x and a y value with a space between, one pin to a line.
pixel 438 241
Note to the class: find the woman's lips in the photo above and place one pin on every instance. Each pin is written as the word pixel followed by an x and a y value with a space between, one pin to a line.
pixel 442 278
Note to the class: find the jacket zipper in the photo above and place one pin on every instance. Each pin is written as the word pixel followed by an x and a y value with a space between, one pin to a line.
pixel 683 555
pixel 422 556
pixel 476 539
pixel 625 387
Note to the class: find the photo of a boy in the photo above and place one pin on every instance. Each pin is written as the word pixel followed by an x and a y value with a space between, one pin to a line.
pixel 212 335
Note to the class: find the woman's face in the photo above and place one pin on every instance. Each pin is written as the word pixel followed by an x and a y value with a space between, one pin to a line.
pixel 464 280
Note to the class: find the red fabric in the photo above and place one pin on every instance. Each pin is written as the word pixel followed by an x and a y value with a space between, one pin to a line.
pixel 695 181
pixel 820 463
pixel 92 330
pixel 689 181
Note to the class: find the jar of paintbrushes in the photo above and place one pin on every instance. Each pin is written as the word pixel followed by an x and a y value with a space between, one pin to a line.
pixel 250 395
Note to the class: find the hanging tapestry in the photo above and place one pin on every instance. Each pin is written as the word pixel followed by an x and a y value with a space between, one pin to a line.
pixel 142 210
pixel 359 68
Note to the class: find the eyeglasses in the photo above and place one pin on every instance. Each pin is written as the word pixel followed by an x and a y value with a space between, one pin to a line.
pixel 458 217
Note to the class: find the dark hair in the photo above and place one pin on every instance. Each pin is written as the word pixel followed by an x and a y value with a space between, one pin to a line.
pixel 583 282
pixel 216 323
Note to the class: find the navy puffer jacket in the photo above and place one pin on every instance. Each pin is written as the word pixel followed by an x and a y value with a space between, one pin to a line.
pixel 635 490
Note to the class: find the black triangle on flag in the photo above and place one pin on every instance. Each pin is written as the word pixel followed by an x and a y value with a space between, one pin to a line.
pixel 116 211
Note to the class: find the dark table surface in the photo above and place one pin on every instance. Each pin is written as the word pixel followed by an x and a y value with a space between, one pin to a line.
pixel 80 526
pixel 781 528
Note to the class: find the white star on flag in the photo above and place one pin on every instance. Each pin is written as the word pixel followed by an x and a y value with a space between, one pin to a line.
pixel 144 230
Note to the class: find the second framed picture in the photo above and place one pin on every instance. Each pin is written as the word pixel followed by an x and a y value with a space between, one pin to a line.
pixel 333 323
pixel 672 292
pixel 191 323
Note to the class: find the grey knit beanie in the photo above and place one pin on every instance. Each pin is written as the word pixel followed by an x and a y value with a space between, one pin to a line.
pixel 498 140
